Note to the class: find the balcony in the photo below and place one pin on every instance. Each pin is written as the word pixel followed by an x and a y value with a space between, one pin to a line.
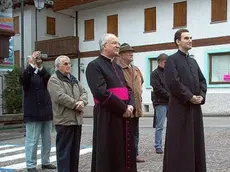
pixel 60 46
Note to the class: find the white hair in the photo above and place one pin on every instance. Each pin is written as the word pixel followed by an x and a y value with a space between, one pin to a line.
pixel 104 39
pixel 58 61
pixel 29 57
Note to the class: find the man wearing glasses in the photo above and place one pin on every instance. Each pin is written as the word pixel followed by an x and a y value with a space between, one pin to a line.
pixel 113 144
pixel 68 101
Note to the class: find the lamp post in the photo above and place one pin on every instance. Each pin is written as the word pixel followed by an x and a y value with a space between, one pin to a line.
pixel 22 36
pixel 39 4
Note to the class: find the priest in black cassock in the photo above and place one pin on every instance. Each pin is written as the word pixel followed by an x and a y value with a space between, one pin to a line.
pixel 113 143
pixel 184 145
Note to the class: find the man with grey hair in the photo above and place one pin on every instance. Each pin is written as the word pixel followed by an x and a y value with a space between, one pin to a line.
pixel 68 101
pixel 37 112
pixel 113 143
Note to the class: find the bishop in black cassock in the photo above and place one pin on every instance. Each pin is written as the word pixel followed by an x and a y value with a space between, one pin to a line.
pixel 113 144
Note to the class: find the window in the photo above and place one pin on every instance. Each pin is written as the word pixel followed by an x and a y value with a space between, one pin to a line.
pixel 51 26
pixel 150 19
pixel 180 14
pixel 16 25
pixel 219 68
pixel 153 64
pixel 112 24
pixel 219 10
pixel 17 58
pixel 89 29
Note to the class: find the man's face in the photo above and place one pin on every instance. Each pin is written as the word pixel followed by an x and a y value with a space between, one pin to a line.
pixel 127 56
pixel 186 41
pixel 65 66
pixel 162 63
pixel 111 47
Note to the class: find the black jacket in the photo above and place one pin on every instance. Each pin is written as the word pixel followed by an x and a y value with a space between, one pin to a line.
pixel 37 102
pixel 160 95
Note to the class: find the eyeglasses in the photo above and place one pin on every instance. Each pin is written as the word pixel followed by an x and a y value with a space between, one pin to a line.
pixel 67 64
pixel 113 42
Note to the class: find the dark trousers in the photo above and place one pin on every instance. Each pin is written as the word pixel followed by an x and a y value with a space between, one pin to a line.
pixel 135 132
pixel 68 147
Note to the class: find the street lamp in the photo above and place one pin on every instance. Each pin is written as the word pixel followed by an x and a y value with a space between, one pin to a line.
pixel 39 4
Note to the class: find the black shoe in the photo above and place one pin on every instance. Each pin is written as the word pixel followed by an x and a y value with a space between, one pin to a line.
pixel 49 166
pixel 159 151
pixel 32 170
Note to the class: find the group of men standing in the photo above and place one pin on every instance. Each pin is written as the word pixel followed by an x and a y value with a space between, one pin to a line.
pixel 179 89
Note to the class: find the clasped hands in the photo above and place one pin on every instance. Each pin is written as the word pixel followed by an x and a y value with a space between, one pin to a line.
pixel 196 99
pixel 129 111
pixel 80 105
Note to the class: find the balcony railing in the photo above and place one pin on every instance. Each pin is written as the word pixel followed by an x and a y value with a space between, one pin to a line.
pixel 59 46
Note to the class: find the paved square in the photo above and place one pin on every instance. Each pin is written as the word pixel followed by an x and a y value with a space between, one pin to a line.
pixel 217 139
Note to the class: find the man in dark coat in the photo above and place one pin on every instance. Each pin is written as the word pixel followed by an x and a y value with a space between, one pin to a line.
pixel 37 112
pixel 113 144
pixel 160 100
pixel 184 146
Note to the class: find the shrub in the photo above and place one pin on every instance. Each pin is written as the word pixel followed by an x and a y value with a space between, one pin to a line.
pixel 12 94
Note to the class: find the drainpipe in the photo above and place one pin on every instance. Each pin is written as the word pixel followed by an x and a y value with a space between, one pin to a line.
pixel 36 26
pixel 78 54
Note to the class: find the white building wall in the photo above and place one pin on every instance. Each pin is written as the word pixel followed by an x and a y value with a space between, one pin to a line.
pixel 131 30
pixel 131 22
pixel 64 27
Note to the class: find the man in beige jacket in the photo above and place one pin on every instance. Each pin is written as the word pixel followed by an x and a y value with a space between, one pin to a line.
pixel 68 101
pixel 134 80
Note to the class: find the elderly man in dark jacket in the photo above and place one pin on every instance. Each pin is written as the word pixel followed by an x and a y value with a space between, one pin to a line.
pixel 37 112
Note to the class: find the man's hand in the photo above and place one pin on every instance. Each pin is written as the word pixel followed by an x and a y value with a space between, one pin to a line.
pixel 128 112
pixel 195 100
pixel 80 105
pixel 36 56
pixel 131 108
pixel 200 98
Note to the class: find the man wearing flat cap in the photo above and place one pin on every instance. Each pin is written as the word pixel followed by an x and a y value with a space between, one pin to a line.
pixel 134 80
pixel 160 100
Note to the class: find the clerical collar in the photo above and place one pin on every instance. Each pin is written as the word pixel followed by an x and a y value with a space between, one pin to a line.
pixel 181 52
pixel 109 58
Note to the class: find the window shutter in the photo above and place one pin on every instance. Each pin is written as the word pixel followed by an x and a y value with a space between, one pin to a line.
pixel 219 10
pixel 180 14
pixel 51 26
pixel 89 29
pixel 112 24
pixel 150 19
